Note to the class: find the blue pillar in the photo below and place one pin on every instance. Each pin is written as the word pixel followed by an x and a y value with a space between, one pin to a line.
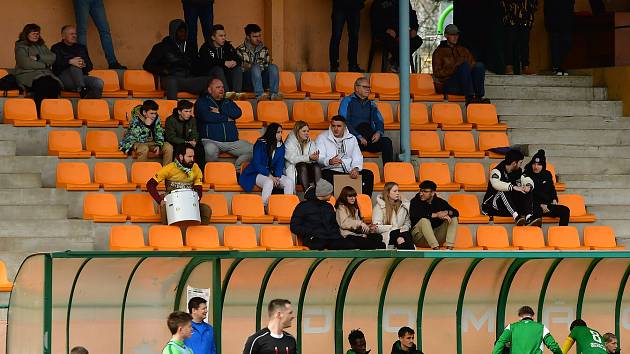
pixel 404 65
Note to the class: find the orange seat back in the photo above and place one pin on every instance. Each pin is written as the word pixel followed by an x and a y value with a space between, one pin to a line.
pixel 288 84
pixel 463 239
pixel 19 109
pixel 282 205
pixel 239 236
pixel 385 83
pixel 332 109
pixel 249 135
pixel 57 109
pixel 138 80
pixel 459 141
pixel 216 202
pixel 110 173
pixel 437 172
pixel 126 236
pixel 421 84
pixel 202 236
pixel 93 110
pixel 528 237
pixel 470 173
pixel 276 236
pixel 138 204
pixel 399 172
pixel 552 170
pixel 122 109
pixel 492 236
pixel 101 141
pixel 142 172
pixel 418 113
pixel 99 204
pixel 373 166
pixel 72 173
pixel 574 202
pixel 466 204
pixel 220 173
pixel 426 141
pixel 446 113
pixel 365 205
pixel 164 236
pixel 484 114
pixel 64 140
pixel 386 111
pixel 272 111
pixel 111 82
pixel 489 140
pixel 344 82
pixel 599 236
pixel 165 109
pixel 315 82
pixel 563 237
pixel 247 112
pixel 248 205
pixel 308 111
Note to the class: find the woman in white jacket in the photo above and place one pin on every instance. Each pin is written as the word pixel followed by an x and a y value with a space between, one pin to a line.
pixel 391 217
pixel 301 156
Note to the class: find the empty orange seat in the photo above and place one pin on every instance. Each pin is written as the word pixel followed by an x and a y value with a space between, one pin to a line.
pixel 439 173
pixel 221 176
pixel 95 113
pixel 344 82
pixel 427 144
pixel 401 173
pixel 59 113
pixel 103 144
pixel 564 238
pixel 575 203
pixel 560 187
pixel 165 109
pixel 365 207
pixel 272 111
pixel 281 206
pixel 288 86
pixel 310 112
pixel 249 209
pixel 332 109
pixel 112 176
pixel 101 207
pixel 449 116
pixel 419 117
pixel 471 175
pixel 111 83
pixel 122 110
pixel 388 115
pixel 378 182
pixel 422 88
pixel 5 284
pixel 277 238
pixel 483 117
pixel 464 240
pixel 468 207
pixel 8 93
pixel 66 144
pixel 21 112
pixel 127 238
pixel 247 116
pixel 600 238
pixel 462 144
pixel 218 204
pixel 249 135
pixel 141 84
pixel 74 176
pixel 139 207
pixel 241 237
pixel 529 238
pixel 386 86
pixel 317 85
pixel 204 238
pixel 489 140
pixel 166 238
pixel 493 237
pixel 143 171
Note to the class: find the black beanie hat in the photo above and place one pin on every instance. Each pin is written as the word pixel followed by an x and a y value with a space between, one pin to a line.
pixel 540 158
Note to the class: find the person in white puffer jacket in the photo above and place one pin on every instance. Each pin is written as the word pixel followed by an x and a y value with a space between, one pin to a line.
pixel 391 217
pixel 301 156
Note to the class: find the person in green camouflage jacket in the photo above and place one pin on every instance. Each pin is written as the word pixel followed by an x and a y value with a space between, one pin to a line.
pixel 145 135
pixel 526 336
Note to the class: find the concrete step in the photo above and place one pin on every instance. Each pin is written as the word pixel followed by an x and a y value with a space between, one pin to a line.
pixel 595 181
pixel 32 196
pixel 611 212
pixel 559 108
pixel 21 180
pixel 538 80
pixel 34 212
pixel 7 148
pixel 546 93
pixel 557 150
pixel 592 166
pixel 561 122
pixel 570 136
pixel 45 228
pixel 603 196
pixel 26 164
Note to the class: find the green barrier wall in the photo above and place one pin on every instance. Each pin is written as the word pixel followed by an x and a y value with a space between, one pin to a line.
pixel 460 301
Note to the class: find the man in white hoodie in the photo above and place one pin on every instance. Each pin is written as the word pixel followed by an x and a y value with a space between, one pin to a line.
pixel 339 153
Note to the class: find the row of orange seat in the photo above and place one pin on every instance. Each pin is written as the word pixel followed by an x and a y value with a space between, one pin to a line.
pixel 5 284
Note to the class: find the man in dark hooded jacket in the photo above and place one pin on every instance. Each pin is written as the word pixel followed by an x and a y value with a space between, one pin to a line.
pixel 545 195
pixel 172 60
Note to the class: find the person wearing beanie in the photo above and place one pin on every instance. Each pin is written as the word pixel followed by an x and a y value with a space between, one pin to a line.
pixel 509 192
pixel 545 195
pixel 314 220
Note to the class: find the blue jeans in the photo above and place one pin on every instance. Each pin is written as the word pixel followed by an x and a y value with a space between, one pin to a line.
pixel 205 14
pixel 467 81
pixel 95 9
pixel 261 79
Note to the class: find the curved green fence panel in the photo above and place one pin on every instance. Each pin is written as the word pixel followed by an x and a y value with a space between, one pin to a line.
pixel 525 288
pixel 61 296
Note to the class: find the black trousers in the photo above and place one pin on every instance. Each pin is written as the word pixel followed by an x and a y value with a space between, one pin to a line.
pixel 392 44
pixel 308 173
pixel 316 243
pixel 200 156
pixel 517 46
pixel 44 87
pixel 560 42
pixel 339 18
pixel 383 145
pixel 507 203
pixel 555 211
pixel 367 179
pixel 370 242
pixel 406 245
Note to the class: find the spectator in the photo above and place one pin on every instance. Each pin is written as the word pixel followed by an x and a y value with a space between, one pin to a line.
pixel 96 9
pixel 385 25
pixel 216 117
pixel 589 340
pixel 180 325
pixel 365 121
pixel 526 335
pixel 611 343
pixel 301 156
pixel 314 220
pixel 79 350
pixel 405 344
pixel 219 59
pixel 358 345
pixel 267 167
pixel 172 60
pixel 145 135
pixel 274 338
pixel 259 72
pixel 518 18
pixel 364 236
pixel 339 154
pixel 509 192
pixel 202 10
pixel 73 64
pixel 455 70
pixel 434 221
pixel 559 25
pixel 545 198
pixel 33 63
pixel 391 217
pixel 181 128
pixel 202 338
pixel 345 11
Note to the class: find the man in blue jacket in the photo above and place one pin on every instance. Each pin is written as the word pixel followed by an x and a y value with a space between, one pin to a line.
pixel 216 122
pixel 365 122
pixel 202 339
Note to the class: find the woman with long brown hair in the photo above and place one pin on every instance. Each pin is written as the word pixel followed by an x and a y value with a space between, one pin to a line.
pixel 391 217
pixel 301 156
pixel 364 236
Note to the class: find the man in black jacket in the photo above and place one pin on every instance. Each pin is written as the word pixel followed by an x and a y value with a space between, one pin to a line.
pixel 73 64
pixel 545 195
pixel 181 128
pixel 345 11
pixel 219 59
pixel 172 60
pixel 433 220
pixel 314 220
pixel 405 344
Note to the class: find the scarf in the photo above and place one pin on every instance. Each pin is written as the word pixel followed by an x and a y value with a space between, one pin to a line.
pixel 186 170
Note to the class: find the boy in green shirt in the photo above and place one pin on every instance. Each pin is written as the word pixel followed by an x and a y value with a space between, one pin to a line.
pixel 526 336
pixel 180 325
pixel 589 341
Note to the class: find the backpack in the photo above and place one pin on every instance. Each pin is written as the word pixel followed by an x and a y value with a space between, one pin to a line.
pixel 7 83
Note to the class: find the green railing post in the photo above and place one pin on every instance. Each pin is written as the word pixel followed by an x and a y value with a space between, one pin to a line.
pixel 217 302
pixel 404 64
pixel 48 281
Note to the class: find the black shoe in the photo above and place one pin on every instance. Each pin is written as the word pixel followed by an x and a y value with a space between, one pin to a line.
pixel 334 69
pixel 530 220
pixel 83 92
pixel 470 100
pixel 117 66
pixel 481 100
pixel 356 69
pixel 520 221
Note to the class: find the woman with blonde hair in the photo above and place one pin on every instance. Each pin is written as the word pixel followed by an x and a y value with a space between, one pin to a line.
pixel 351 226
pixel 391 217
pixel 301 156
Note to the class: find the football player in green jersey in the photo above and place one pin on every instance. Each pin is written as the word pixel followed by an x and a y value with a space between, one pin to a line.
pixel 527 336
pixel 589 341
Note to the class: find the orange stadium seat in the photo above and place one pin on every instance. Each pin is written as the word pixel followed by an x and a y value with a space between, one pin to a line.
pixel 141 84
pixel 103 144
pixel 288 86
pixel 310 112
pixel 241 238
pixel 204 238
pixel 365 207
pixel 281 207
pixel 74 176
pixel 139 207
pixel 464 240
pixel 388 115
pixel 344 82
pixel 471 175
pixel 560 187
pixel 529 238
pixel 272 112
pixel 468 207
pixel 127 238
pixel 439 173
pixel 101 207
pixel 165 109
pixel 373 166
pixel 249 209
pixel 218 204
pixel 66 144
pixel 5 284
pixel 221 176
pixel 449 116
pixel 95 113
pixel 143 171
pixel 277 238
pixel 419 117
pixel 427 144
pixel 8 93
pixel 564 238
pixel 249 135
pixel 167 238
pixel 122 110
pixel 401 173
pixel 483 117
pixel 386 86
pixel 575 203
pixel 489 140
pixel 21 112
pixel 423 89
pixel 247 116
pixel 317 85
pixel 112 176
pixel 462 144
pixel 111 83
pixel 600 238
pixel 493 237
pixel 59 113
pixel 332 109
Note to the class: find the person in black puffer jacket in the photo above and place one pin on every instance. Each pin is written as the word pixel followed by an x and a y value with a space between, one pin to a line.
pixel 545 195
pixel 219 59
